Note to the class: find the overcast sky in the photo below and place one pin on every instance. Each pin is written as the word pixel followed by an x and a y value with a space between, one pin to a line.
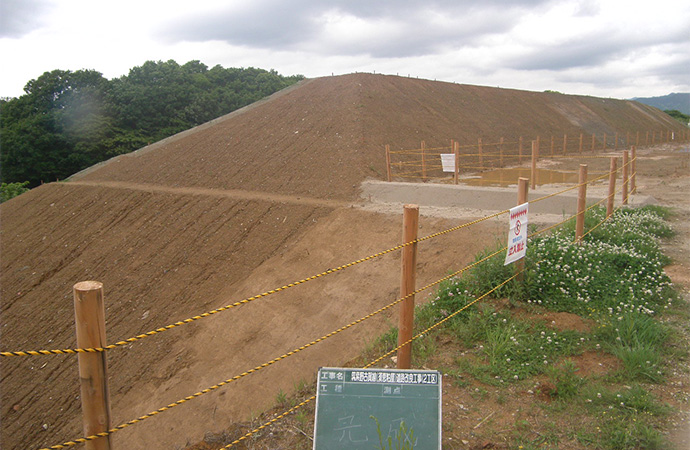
pixel 606 48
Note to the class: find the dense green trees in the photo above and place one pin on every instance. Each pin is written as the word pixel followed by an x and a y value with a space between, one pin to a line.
pixel 67 121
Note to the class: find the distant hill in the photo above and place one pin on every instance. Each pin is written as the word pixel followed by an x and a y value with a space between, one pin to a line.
pixel 678 101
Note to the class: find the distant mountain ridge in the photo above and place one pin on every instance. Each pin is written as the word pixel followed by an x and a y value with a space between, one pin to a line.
pixel 677 100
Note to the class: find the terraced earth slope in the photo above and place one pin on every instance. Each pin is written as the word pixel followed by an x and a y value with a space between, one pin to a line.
pixel 246 203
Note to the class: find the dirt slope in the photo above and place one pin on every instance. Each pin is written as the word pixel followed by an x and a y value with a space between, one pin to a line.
pixel 324 137
pixel 242 205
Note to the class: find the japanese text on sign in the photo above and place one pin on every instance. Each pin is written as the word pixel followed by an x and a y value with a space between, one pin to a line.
pixel 517 235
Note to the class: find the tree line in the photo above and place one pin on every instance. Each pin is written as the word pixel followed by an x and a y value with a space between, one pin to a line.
pixel 69 120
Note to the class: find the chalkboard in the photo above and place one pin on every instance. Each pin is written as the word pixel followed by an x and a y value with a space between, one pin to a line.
pixel 348 398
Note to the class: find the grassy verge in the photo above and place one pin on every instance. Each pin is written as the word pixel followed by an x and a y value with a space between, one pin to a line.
pixel 615 284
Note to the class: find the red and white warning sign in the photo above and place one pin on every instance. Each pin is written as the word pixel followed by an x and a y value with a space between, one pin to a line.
pixel 517 236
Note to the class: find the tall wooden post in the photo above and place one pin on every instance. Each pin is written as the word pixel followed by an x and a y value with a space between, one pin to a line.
pixel 522 196
pixel 668 135
pixel 565 144
pixel 533 168
pixel 625 177
pixel 407 285
pixel 423 161
pixel 604 142
pixel 89 313
pixel 633 166
pixel 520 150
pixel 581 136
pixel 612 187
pixel 388 162
pixel 481 158
pixel 581 203
pixel 456 151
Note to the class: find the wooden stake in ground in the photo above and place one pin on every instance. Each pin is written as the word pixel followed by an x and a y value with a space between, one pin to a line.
pixel 565 144
pixel 481 157
pixel 388 161
pixel 407 285
pixel 633 166
pixel 612 187
pixel 523 186
pixel 423 161
pixel 89 312
pixel 581 203
pixel 456 152
pixel 625 177
pixel 533 168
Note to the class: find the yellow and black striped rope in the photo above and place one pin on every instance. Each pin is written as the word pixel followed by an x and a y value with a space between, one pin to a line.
pixel 249 299
pixel 271 362
pixel 417 336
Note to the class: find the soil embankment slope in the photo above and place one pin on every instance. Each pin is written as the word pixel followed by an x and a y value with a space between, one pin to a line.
pixel 228 210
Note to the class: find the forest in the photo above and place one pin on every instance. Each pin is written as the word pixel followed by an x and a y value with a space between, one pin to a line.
pixel 69 120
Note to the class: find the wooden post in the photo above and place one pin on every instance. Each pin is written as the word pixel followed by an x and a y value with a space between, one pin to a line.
pixel 520 150
pixel 456 151
pixel 581 136
pixel 668 135
pixel 533 170
pixel 407 285
pixel 604 142
pixel 581 203
pixel 612 187
pixel 481 158
pixel 593 138
pixel 388 162
pixel 423 161
pixel 500 152
pixel 89 313
pixel 565 144
pixel 625 177
pixel 523 186
pixel 615 142
pixel 633 166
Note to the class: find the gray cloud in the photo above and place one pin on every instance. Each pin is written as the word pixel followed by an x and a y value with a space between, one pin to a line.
pixel 595 48
pixel 20 17
pixel 411 27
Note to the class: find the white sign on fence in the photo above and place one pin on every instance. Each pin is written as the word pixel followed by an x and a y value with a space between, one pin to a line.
pixel 517 235
pixel 448 162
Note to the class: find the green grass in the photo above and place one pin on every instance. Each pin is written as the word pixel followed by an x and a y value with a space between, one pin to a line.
pixel 614 278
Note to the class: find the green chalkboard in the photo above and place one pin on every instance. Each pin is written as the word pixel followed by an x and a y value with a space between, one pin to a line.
pixel 348 398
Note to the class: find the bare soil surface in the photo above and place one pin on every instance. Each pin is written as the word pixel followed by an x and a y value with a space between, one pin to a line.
pixel 223 212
